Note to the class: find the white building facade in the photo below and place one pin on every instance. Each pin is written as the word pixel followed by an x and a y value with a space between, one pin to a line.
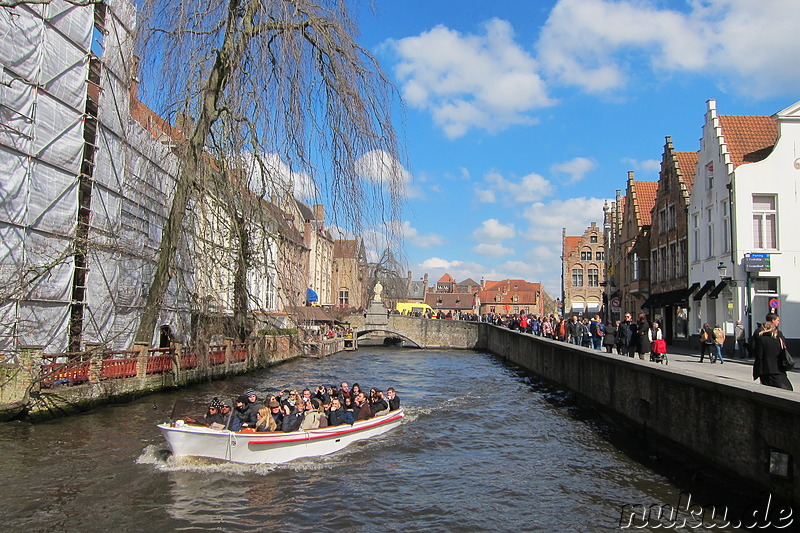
pixel 743 214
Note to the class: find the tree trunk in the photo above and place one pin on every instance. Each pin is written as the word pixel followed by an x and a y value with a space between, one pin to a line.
pixel 227 60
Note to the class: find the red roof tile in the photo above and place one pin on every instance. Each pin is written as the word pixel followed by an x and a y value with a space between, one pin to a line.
pixel 447 278
pixel 570 243
pixel 687 164
pixel 645 199
pixel 750 138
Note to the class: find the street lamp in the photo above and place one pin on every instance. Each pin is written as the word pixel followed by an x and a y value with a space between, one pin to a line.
pixel 722 270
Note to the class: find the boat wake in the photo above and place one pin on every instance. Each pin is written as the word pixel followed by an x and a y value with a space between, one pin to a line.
pixel 162 459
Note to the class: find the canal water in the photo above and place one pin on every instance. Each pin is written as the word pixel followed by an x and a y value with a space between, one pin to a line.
pixel 484 447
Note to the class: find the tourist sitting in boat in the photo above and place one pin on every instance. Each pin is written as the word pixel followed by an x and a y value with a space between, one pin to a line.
pixel 344 392
pixel 355 390
pixel 212 415
pixel 225 413
pixel 292 421
pixel 349 407
pixel 377 403
pixel 393 399
pixel 364 412
pixel 307 397
pixel 252 403
pixel 336 413
pixel 275 411
pixel 265 420
pixel 242 416
pixel 313 419
pixel 290 399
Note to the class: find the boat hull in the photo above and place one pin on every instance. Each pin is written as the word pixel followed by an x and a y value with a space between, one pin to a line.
pixel 275 447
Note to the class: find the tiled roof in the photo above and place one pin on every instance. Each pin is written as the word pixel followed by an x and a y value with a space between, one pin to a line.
pixel 645 199
pixel 570 243
pixel 687 163
pixel 523 297
pixel 511 285
pixel 447 278
pixel 449 300
pixel 750 138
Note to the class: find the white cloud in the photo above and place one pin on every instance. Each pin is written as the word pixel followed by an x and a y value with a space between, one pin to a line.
pixel 269 176
pixel 470 81
pixel 588 43
pixel 577 168
pixel 438 263
pixel 423 241
pixel 574 214
pixel 492 250
pixel 530 188
pixel 492 231
pixel 382 168
pixel 485 196
pixel 648 165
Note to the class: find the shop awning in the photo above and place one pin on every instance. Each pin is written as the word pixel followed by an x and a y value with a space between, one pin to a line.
pixel 311 296
pixel 718 289
pixel 668 298
pixel 703 290
pixel 650 302
pixel 593 307
pixel 578 306
pixel 690 290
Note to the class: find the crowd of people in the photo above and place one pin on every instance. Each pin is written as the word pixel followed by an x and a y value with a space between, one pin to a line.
pixel 292 410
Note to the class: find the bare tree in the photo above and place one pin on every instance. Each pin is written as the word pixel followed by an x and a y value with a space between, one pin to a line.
pixel 267 77
pixel 389 270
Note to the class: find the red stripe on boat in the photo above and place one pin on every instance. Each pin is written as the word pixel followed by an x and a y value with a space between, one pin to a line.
pixel 326 435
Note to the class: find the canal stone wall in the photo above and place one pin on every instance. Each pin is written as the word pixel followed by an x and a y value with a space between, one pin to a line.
pixel 738 427
pixel 24 395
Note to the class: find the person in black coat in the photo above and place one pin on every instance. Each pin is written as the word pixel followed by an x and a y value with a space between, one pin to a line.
pixel 336 413
pixel 610 338
pixel 393 399
pixel 642 339
pixel 768 341
pixel 626 336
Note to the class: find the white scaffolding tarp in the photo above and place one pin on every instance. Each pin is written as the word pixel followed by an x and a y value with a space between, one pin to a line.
pixel 45 55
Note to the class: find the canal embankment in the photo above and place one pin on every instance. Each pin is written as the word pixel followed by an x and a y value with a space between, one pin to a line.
pixel 41 386
pixel 745 429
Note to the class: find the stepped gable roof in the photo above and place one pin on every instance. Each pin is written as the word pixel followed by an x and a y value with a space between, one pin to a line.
pixel 571 243
pixel 687 164
pixel 447 278
pixel 750 138
pixel 645 199
pixel 346 248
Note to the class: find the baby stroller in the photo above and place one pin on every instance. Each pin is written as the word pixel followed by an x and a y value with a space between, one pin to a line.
pixel 658 351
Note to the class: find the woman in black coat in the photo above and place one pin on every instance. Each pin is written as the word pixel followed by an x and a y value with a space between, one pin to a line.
pixel 768 341
pixel 610 338
pixel 642 340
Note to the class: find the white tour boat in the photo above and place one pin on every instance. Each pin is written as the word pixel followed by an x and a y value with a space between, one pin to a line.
pixel 187 440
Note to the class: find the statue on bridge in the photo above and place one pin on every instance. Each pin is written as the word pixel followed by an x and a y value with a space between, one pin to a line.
pixel 378 290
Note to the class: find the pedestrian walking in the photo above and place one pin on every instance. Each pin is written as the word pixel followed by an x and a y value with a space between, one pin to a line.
pixel 768 343
pixel 719 341
pixel 739 346
pixel 706 342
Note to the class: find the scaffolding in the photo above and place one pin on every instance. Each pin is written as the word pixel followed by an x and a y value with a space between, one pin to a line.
pixel 84 188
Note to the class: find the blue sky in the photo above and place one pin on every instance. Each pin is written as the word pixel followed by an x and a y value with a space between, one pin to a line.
pixel 523 117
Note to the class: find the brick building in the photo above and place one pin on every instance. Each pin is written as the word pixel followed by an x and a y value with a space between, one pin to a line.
pixel 669 277
pixel 583 269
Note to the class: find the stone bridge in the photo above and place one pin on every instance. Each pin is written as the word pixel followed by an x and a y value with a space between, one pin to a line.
pixel 422 332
